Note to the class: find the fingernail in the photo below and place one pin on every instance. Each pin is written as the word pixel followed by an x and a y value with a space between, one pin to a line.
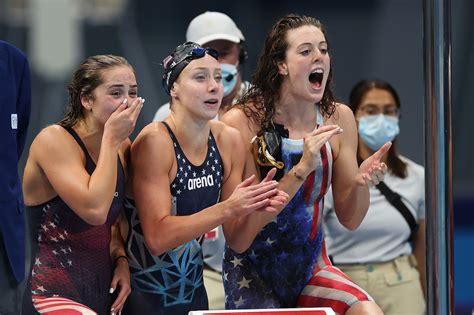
pixel 143 100
pixel 125 101
pixel 111 291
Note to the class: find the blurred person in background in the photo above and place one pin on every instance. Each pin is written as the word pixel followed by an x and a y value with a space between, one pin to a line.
pixel 15 108
pixel 217 31
pixel 385 255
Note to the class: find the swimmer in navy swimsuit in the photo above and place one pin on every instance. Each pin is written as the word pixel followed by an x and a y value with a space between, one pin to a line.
pixel 279 260
pixel 187 180
pixel 74 186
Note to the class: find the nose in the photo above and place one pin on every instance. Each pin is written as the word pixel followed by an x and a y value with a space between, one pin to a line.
pixel 214 85
pixel 317 55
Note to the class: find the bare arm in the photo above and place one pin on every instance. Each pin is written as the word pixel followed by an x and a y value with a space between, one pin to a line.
pixel 250 226
pixel 153 161
pixel 121 277
pixel 235 230
pixel 350 182
pixel 59 158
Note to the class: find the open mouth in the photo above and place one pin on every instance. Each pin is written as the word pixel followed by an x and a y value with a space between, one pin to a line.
pixel 316 78
pixel 212 101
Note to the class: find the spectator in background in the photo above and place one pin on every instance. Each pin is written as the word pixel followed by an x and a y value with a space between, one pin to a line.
pixel 385 255
pixel 217 31
pixel 15 106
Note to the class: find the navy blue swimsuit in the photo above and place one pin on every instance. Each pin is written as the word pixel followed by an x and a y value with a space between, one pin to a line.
pixel 172 283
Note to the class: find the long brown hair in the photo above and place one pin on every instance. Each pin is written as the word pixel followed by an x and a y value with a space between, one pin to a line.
pixel 394 163
pixel 259 102
pixel 85 80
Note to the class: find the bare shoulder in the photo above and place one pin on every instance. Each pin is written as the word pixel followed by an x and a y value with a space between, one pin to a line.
pixel 237 118
pixel 53 141
pixel 342 116
pixel 225 135
pixel 154 136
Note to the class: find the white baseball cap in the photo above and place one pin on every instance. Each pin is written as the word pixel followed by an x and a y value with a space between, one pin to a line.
pixel 210 26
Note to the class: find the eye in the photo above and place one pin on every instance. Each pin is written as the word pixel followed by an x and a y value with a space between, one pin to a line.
pixel 116 93
pixel 370 110
pixel 391 111
pixel 323 51
pixel 133 94
pixel 218 78
pixel 200 77
pixel 305 52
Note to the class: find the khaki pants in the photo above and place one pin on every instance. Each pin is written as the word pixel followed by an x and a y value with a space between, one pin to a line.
pixel 215 289
pixel 395 285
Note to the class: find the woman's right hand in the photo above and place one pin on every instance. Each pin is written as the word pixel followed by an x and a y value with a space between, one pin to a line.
pixel 123 120
pixel 249 197
pixel 313 143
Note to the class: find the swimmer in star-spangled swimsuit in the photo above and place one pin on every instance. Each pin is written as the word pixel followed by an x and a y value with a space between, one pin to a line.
pixel 287 264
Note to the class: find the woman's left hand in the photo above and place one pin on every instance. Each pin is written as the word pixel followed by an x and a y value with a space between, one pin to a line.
pixel 120 282
pixel 372 170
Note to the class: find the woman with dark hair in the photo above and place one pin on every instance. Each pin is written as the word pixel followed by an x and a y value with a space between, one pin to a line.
pixel 386 254
pixel 74 187
pixel 290 120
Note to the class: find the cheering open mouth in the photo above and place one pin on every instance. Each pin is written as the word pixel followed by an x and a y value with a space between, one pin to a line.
pixel 316 78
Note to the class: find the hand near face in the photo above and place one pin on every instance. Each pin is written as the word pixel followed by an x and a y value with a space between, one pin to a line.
pixel 123 120
pixel 372 170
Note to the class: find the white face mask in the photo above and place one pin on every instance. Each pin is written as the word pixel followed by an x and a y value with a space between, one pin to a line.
pixel 229 77
pixel 376 130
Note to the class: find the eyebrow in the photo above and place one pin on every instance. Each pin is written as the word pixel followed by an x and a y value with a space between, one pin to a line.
pixel 121 85
pixel 205 68
pixel 304 44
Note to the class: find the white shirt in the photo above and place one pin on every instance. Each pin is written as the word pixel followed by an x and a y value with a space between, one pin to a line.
pixel 383 234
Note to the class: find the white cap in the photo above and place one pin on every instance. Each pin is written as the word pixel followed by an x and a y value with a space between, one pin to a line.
pixel 210 26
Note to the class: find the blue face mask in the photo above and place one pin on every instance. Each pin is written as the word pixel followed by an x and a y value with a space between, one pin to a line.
pixel 229 77
pixel 376 130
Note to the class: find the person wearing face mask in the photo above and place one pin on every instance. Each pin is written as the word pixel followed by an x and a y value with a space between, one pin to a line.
pixel 385 255
pixel 217 31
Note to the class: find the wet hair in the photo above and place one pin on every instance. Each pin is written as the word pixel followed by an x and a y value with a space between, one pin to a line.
pixel 86 79
pixel 259 102
pixel 394 163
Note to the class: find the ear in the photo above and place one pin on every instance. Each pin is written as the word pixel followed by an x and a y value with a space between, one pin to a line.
pixel 282 68
pixel 86 102
pixel 174 90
